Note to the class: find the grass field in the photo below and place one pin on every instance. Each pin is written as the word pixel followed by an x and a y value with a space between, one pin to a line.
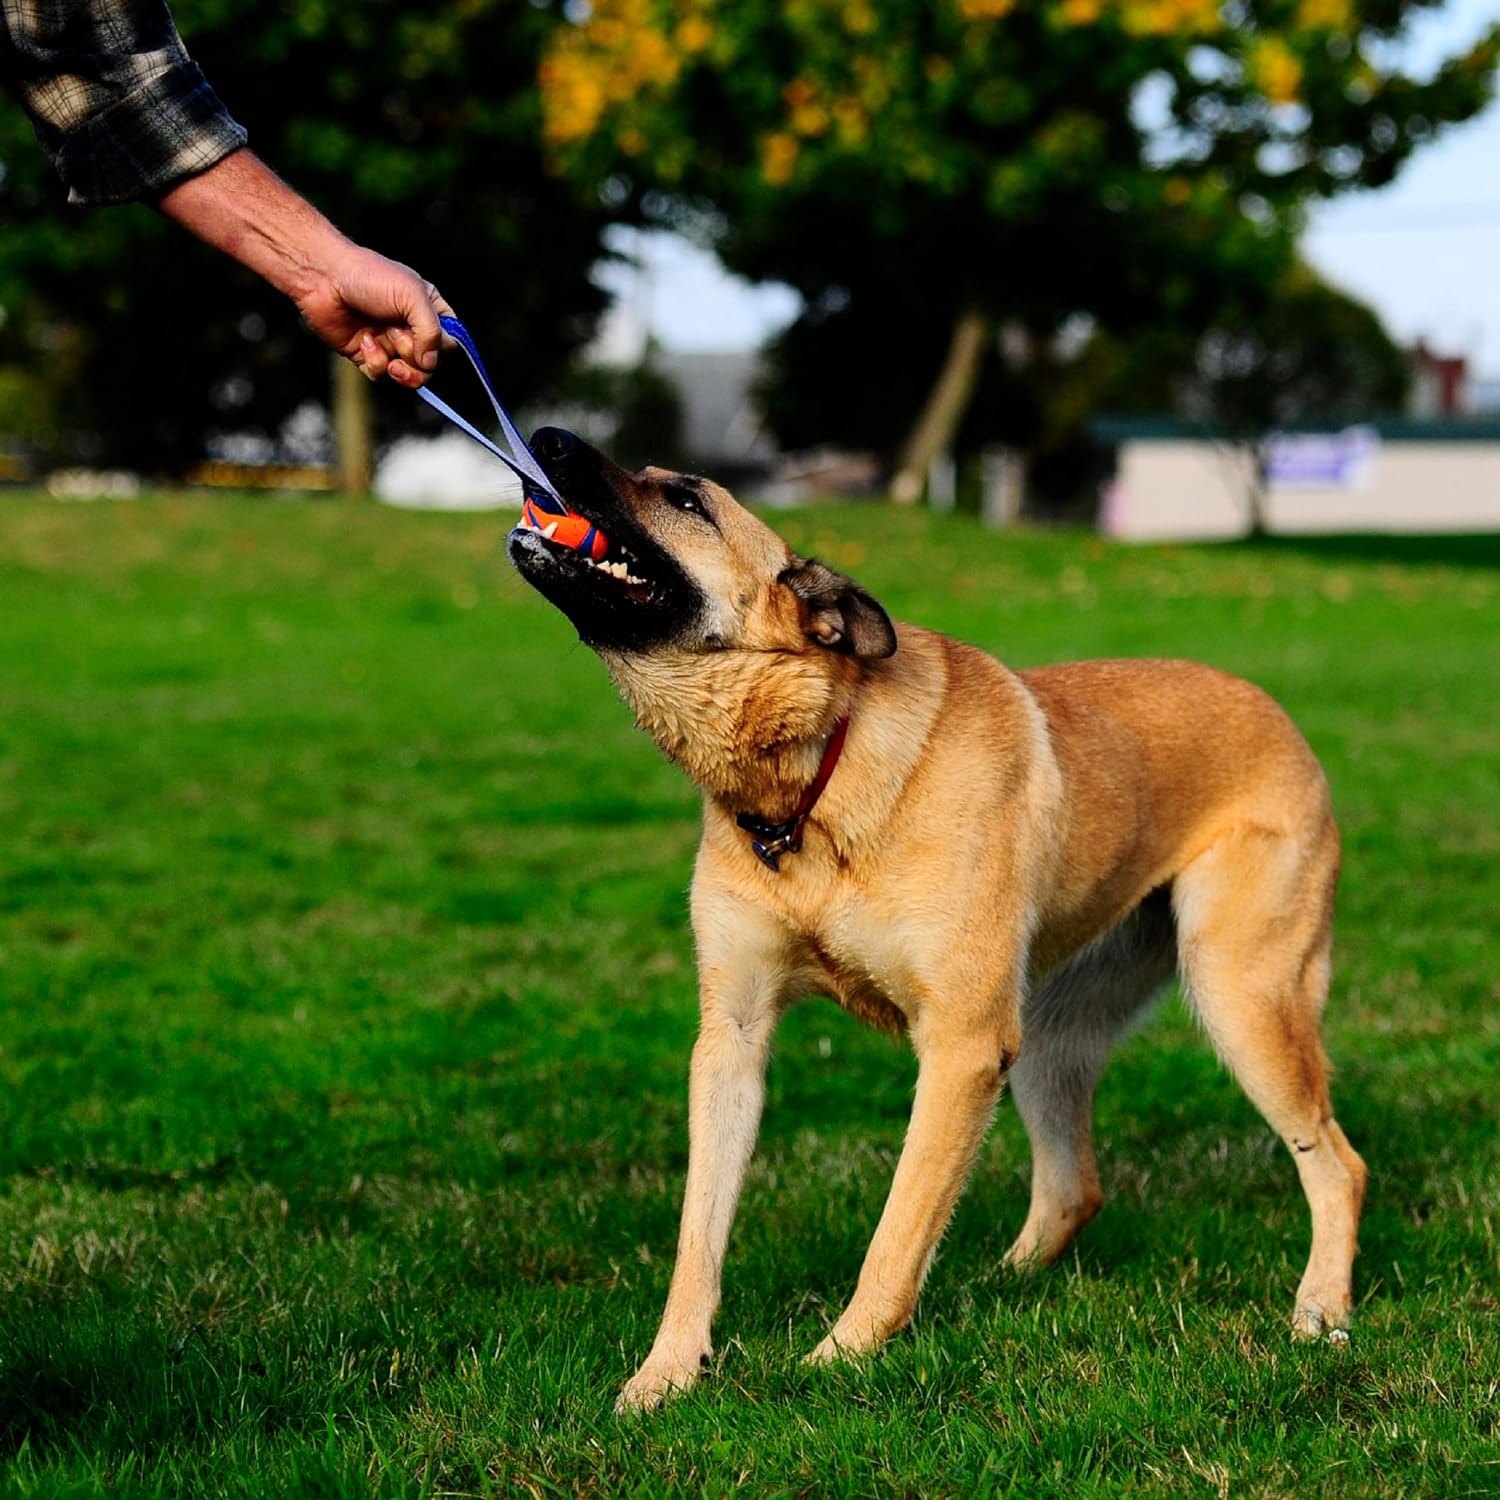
pixel 347 998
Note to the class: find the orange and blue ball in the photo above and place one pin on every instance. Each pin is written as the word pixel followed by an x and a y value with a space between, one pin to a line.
pixel 567 529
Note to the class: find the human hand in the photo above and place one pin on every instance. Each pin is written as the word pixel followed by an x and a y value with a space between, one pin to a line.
pixel 377 313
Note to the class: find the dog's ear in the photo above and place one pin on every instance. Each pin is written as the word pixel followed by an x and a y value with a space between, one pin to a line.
pixel 838 614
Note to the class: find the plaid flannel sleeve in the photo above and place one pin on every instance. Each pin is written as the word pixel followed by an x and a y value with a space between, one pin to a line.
pixel 115 100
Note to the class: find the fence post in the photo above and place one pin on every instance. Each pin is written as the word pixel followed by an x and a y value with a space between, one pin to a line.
pixel 353 429
pixel 942 482
pixel 1002 473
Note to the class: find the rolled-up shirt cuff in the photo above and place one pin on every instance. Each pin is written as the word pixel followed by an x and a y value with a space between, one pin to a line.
pixel 170 128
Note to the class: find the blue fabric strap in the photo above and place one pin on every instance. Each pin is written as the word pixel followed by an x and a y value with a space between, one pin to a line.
pixel 515 455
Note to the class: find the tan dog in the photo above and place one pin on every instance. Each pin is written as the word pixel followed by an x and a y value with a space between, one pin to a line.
pixel 1006 866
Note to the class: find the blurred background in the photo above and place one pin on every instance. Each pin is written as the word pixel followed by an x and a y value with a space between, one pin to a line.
pixel 1170 267
pixel 345 966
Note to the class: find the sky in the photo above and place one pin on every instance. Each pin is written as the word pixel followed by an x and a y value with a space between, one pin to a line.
pixel 1424 251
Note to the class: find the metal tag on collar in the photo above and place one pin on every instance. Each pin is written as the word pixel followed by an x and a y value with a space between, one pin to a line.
pixel 769 841
pixel 770 858
pixel 770 854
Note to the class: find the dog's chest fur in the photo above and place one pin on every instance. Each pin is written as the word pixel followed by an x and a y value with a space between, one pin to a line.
pixel 857 960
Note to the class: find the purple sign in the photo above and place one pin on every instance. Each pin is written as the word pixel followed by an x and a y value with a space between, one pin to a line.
pixel 1321 460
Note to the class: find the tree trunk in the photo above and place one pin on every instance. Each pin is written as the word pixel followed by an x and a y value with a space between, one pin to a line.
pixel 1256 495
pixel 353 429
pixel 946 403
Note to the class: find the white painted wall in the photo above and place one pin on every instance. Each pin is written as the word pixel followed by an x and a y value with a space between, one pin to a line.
pixel 1187 489
pixel 447 472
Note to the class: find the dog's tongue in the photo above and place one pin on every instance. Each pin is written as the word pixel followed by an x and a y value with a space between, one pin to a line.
pixel 563 528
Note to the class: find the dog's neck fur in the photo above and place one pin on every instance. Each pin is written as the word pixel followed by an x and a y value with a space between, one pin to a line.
pixel 749 727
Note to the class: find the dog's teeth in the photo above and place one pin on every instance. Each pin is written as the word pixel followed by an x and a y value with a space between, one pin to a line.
pixel 616 569
pixel 550 531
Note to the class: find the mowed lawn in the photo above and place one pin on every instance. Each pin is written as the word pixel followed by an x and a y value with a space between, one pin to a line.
pixel 347 996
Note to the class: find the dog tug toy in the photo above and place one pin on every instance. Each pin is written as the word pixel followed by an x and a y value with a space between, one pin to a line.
pixel 543 510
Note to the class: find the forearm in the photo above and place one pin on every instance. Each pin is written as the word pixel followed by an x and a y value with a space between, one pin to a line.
pixel 378 313
pixel 241 207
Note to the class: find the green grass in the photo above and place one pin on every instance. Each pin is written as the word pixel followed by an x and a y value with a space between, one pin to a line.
pixel 347 998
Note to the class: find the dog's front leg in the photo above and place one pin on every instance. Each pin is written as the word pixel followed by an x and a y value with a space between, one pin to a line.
pixel 959 1079
pixel 740 1001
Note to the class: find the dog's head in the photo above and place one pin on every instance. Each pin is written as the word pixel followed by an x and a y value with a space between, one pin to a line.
pixel 687 569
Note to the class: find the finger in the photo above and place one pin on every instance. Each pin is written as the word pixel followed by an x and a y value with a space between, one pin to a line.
pixel 373 360
pixel 403 374
pixel 426 334
pixel 398 341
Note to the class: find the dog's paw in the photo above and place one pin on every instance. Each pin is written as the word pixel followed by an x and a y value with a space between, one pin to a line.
pixel 1049 1230
pixel 656 1381
pixel 1314 1321
pixel 1027 1256
pixel 827 1353
pixel 837 1348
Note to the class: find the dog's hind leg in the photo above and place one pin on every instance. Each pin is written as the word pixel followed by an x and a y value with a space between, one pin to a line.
pixel 1069 1023
pixel 1254 914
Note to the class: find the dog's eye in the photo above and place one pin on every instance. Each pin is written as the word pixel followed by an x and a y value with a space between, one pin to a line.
pixel 681 497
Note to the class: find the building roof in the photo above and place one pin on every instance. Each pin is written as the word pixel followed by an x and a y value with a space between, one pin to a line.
pixel 1390 429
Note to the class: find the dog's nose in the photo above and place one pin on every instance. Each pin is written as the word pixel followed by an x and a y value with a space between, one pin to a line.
pixel 553 443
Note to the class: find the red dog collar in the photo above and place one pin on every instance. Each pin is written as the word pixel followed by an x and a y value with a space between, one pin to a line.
pixel 771 840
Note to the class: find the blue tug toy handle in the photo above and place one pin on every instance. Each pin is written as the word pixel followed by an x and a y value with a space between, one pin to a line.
pixel 514 453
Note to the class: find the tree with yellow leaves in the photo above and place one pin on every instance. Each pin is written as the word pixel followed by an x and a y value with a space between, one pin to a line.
pixel 971 163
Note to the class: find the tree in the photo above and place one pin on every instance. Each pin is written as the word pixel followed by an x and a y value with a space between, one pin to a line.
pixel 1305 353
pixel 416 130
pixel 989 162
pixel 634 413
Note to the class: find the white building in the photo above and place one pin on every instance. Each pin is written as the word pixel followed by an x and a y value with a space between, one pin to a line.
pixel 1173 481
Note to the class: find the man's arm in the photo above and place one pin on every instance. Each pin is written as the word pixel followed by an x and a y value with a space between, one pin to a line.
pixel 125 114
pixel 374 311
